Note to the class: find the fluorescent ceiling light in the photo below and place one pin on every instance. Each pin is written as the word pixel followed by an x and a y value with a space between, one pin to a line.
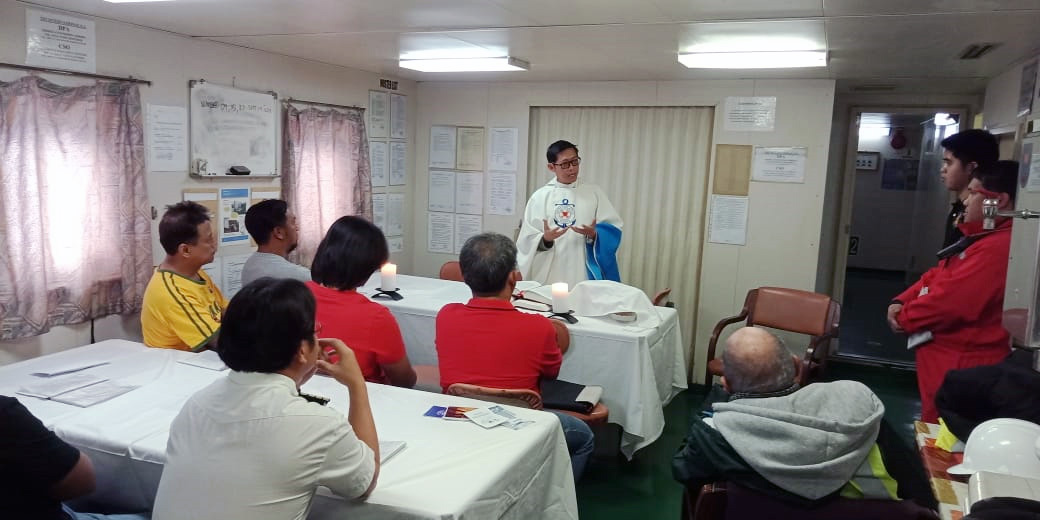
pixel 465 64
pixel 874 131
pixel 754 59
pixel 942 119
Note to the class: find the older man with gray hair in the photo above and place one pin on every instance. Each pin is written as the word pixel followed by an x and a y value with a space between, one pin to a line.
pixel 803 446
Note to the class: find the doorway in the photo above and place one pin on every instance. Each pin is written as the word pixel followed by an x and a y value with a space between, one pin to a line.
pixel 895 216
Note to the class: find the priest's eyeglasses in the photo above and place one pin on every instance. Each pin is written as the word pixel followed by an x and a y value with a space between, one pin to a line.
pixel 568 164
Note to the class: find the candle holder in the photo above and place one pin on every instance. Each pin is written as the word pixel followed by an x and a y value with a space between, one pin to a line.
pixel 394 295
pixel 565 316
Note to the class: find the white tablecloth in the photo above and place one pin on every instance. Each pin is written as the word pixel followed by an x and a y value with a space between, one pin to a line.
pixel 449 469
pixel 640 369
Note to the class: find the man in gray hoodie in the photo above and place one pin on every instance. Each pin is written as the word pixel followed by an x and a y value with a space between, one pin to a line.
pixel 799 445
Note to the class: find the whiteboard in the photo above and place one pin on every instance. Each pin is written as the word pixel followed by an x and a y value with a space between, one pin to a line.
pixel 232 127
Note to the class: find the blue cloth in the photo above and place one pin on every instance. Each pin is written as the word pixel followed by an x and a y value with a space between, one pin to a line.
pixel 91 516
pixel 580 441
pixel 601 255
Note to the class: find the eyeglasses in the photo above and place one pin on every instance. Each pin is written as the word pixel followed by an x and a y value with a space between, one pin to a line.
pixel 317 328
pixel 567 164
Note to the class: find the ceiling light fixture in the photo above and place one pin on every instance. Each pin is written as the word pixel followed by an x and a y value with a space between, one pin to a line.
pixel 754 59
pixel 134 1
pixel 501 64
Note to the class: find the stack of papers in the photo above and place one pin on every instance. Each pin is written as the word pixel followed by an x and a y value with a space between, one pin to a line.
pixel 387 449
pixel 208 359
pixel 488 417
pixel 68 369
pixel 77 389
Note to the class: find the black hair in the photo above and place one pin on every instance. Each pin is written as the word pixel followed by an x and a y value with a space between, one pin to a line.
pixel 486 261
pixel 351 251
pixel 263 326
pixel 999 177
pixel 180 225
pixel 263 217
pixel 557 147
pixel 978 146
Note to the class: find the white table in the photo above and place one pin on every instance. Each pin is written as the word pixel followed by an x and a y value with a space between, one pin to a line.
pixel 640 369
pixel 449 469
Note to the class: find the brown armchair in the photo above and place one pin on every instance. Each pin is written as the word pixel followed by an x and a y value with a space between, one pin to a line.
pixel 803 312
pixel 451 271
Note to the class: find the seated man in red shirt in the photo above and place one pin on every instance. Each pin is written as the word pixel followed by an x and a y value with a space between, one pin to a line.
pixel 488 342
pixel 353 249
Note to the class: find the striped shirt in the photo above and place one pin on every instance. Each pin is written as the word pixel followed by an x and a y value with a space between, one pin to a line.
pixel 180 312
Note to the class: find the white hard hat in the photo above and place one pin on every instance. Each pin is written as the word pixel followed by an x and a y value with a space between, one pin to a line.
pixel 1008 446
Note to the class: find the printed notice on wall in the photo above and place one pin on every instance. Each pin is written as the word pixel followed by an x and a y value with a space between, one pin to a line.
pixel 440 233
pixel 232 268
pixel 469 154
pixel 379 211
pixel 442 147
pixel 233 205
pixel 503 149
pixel 469 193
pixel 1033 183
pixel 396 244
pixel 168 138
pixel 398 116
pixel 501 193
pixel 779 164
pixel 750 114
pixel 398 163
pixel 442 191
pixel 378 114
pixel 59 41
pixel 465 227
pixel 380 163
pixel 395 214
pixel 728 220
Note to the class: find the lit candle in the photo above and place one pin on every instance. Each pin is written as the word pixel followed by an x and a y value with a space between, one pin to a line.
pixel 560 295
pixel 388 277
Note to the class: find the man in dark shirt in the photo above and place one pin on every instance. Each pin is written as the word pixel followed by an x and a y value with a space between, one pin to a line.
pixel 963 153
pixel 38 470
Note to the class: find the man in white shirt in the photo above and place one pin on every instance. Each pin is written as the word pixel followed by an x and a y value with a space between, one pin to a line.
pixel 273 228
pixel 571 231
pixel 249 446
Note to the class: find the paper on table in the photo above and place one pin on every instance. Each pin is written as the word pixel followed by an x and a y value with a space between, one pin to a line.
pixel 728 223
pixel 378 151
pixel 442 147
pixel 485 417
pixel 395 214
pixel 465 227
pixel 469 193
pixel 398 163
pixel 442 191
pixel 501 193
pixel 52 386
pixel 503 149
pixel 208 359
pixel 440 233
pixel 68 369
pixel 387 449
pixel 379 210
pixel 93 394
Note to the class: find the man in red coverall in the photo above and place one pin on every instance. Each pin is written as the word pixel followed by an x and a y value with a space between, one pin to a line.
pixel 954 311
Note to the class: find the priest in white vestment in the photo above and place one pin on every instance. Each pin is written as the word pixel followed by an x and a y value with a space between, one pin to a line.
pixel 571 231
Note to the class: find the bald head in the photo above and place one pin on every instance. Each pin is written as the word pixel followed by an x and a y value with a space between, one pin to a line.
pixel 756 361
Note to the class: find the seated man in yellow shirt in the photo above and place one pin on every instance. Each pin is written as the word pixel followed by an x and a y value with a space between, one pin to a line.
pixel 182 306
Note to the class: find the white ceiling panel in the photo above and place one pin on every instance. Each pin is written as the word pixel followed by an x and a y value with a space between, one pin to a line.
pixel 585 12
pixel 881 7
pixel 692 11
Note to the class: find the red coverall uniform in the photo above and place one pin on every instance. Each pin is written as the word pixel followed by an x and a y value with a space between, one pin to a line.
pixel 961 301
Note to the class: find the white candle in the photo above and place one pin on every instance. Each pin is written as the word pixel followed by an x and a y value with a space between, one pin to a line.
pixel 388 277
pixel 560 295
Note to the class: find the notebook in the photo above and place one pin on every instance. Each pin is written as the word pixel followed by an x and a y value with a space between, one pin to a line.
pixel 564 395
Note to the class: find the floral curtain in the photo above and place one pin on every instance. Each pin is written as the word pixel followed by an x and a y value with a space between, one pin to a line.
pixel 75 233
pixel 327 172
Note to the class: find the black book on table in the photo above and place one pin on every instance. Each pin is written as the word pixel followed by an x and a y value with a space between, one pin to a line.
pixel 563 395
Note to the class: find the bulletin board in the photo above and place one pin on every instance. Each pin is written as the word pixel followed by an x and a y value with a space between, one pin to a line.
pixel 232 127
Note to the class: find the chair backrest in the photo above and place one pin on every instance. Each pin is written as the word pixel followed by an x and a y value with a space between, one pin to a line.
pixel 451 271
pixel 661 298
pixel 793 310
pixel 743 503
pixel 521 397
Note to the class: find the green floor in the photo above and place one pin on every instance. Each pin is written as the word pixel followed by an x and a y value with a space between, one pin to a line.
pixel 643 489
